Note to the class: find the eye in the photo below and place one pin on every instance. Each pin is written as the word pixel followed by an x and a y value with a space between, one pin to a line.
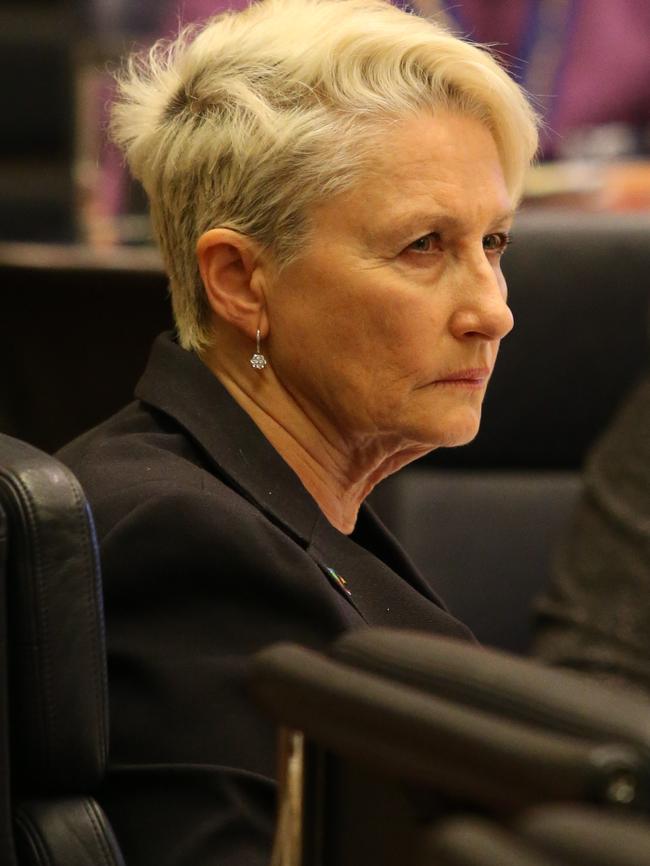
pixel 496 242
pixel 426 244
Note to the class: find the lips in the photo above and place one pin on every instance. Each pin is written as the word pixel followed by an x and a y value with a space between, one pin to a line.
pixel 473 377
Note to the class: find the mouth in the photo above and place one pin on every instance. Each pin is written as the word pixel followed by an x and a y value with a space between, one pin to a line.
pixel 476 377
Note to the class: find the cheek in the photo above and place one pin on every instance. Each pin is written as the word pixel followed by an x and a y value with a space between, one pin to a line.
pixel 369 328
pixel 408 354
pixel 415 329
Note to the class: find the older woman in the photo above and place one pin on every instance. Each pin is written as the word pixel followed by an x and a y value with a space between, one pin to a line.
pixel 331 185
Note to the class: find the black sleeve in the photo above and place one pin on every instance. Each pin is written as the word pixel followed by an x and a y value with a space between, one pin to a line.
pixel 595 615
pixel 194 584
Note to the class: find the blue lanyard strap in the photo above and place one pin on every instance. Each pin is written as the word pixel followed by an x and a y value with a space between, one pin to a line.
pixel 538 61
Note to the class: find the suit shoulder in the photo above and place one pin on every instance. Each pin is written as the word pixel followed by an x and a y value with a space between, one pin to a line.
pixel 137 446
pixel 142 461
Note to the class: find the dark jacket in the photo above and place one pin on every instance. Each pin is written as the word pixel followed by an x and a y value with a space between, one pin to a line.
pixel 211 549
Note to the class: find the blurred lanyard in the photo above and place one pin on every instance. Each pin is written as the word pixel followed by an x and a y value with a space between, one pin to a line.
pixel 537 60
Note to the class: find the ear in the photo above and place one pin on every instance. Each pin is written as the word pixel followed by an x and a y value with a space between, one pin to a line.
pixel 234 279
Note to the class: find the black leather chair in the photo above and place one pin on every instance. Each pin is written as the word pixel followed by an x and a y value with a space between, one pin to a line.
pixel 484 539
pixel 397 730
pixel 53 693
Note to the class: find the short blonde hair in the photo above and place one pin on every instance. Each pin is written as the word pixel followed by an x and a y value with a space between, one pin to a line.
pixel 251 118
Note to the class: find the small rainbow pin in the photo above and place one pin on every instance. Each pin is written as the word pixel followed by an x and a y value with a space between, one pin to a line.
pixel 339 579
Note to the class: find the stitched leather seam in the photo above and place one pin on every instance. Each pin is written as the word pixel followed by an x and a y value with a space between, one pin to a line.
pixel 34 839
pixel 43 621
pixel 93 603
pixel 100 836
pixel 49 714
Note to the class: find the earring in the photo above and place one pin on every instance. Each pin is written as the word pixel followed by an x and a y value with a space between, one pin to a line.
pixel 258 361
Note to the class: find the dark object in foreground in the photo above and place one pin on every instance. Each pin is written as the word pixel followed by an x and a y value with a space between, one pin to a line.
pixel 398 729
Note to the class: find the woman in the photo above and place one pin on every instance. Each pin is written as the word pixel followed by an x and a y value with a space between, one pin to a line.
pixel 331 184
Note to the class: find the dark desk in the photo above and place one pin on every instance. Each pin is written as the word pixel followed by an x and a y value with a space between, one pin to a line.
pixel 75 330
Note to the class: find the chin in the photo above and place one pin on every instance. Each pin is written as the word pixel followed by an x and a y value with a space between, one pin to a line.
pixel 461 427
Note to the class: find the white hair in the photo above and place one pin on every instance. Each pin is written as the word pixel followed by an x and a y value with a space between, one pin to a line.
pixel 253 117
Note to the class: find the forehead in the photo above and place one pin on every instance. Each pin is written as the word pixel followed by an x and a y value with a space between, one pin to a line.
pixel 436 167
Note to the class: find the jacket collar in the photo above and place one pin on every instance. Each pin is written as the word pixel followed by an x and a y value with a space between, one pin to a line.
pixel 178 383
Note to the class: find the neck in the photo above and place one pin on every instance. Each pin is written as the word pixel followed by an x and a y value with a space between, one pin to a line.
pixel 337 469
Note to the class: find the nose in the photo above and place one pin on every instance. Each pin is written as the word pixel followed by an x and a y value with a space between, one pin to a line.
pixel 483 311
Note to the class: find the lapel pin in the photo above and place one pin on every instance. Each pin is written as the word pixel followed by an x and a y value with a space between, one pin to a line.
pixel 340 580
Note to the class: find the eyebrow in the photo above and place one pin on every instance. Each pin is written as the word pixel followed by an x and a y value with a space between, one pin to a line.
pixel 505 217
pixel 413 223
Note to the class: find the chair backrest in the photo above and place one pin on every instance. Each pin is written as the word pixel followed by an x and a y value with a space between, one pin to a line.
pixel 6 834
pixel 53 664
pixel 485 540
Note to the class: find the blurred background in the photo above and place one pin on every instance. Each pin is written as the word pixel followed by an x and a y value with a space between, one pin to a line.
pixel 586 65
pixel 83 292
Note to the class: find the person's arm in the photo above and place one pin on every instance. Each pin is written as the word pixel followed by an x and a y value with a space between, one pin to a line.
pixel 595 615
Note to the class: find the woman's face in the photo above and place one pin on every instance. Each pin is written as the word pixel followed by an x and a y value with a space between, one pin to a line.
pixel 387 326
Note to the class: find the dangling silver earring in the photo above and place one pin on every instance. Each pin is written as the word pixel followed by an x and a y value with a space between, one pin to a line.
pixel 258 361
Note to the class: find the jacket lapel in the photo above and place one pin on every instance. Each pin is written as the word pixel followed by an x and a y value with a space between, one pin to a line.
pixel 177 383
